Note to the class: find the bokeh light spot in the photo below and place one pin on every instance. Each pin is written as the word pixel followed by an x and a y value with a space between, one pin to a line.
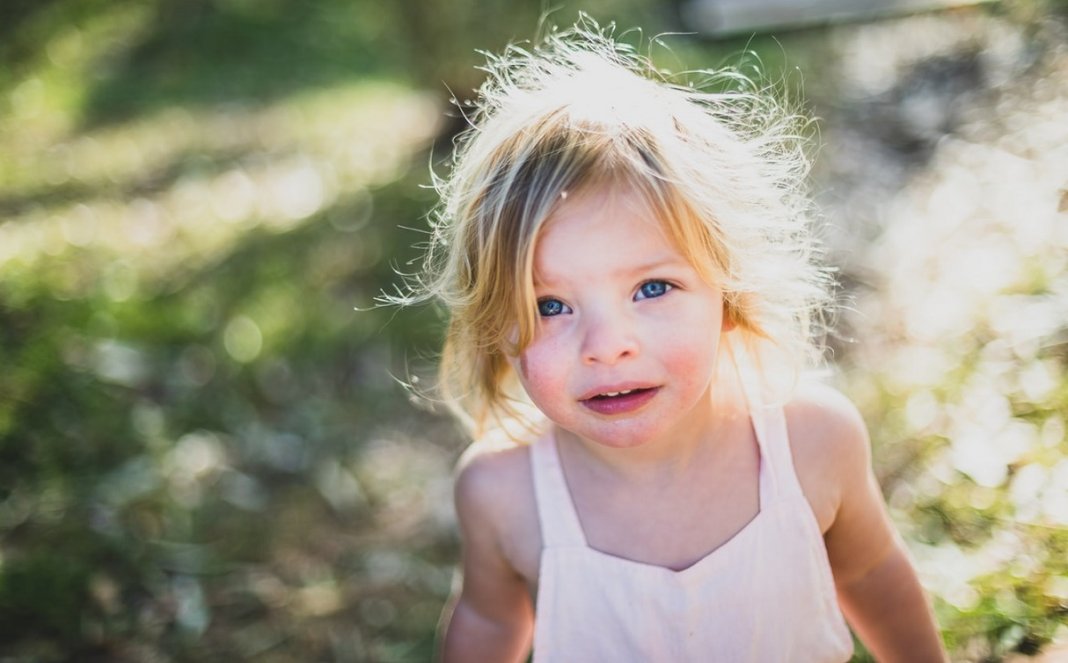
pixel 243 339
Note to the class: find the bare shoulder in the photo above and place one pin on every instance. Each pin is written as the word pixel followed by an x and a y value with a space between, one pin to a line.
pixel 492 475
pixel 496 506
pixel 492 491
pixel 829 444
pixel 821 417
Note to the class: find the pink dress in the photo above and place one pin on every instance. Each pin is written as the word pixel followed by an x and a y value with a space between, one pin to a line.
pixel 766 595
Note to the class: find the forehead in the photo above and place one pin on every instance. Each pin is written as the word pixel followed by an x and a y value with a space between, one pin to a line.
pixel 606 228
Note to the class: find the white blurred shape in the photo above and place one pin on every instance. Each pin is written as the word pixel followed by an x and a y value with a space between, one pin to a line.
pixel 243 339
pixel 339 486
pixel 294 193
pixel 233 196
pixel 119 363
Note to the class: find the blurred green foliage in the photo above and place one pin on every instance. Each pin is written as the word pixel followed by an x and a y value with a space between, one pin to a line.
pixel 204 453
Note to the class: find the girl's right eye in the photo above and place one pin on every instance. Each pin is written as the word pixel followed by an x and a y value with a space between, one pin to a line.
pixel 547 308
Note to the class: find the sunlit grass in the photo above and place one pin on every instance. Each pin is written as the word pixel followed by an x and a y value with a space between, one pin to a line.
pixel 190 275
pixel 175 191
pixel 45 95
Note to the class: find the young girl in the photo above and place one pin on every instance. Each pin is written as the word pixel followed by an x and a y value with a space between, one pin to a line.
pixel 633 299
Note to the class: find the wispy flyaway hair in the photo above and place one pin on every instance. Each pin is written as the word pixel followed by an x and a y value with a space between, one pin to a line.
pixel 722 170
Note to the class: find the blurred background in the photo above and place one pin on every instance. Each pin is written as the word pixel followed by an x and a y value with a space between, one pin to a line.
pixel 205 453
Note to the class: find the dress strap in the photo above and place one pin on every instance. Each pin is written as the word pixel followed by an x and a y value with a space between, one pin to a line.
pixel 556 512
pixel 769 424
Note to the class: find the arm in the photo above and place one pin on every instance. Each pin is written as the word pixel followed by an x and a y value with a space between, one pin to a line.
pixel 491 615
pixel 877 585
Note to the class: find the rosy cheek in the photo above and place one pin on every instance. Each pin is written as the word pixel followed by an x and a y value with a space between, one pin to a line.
pixel 537 370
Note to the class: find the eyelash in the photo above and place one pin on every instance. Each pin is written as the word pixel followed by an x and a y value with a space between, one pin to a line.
pixel 668 287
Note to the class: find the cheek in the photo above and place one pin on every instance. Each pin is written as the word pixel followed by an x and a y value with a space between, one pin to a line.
pixel 689 352
pixel 540 370
pixel 691 346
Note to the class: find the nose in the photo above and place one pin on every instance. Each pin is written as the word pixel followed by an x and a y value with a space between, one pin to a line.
pixel 608 338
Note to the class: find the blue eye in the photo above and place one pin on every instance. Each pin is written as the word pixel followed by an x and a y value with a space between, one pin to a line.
pixel 652 289
pixel 547 308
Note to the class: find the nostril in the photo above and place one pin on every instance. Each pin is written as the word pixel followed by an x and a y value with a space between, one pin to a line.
pixel 611 351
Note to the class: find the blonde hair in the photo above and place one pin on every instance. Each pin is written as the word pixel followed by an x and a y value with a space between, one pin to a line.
pixel 722 170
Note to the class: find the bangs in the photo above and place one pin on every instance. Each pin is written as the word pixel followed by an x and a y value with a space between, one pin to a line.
pixel 580 159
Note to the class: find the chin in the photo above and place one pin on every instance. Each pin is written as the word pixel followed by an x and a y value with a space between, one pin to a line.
pixel 622 438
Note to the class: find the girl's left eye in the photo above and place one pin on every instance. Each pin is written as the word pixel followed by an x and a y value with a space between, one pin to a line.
pixel 651 289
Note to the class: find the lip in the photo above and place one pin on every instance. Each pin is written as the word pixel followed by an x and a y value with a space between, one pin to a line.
pixel 620 404
pixel 611 388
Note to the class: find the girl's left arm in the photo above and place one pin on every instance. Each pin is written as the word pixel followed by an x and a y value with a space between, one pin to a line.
pixel 878 589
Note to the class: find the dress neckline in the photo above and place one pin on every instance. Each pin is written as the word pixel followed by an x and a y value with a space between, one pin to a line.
pixel 723 550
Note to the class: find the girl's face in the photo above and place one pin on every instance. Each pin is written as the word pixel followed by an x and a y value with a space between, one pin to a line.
pixel 628 332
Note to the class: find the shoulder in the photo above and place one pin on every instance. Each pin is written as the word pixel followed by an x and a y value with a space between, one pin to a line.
pixel 821 417
pixel 832 458
pixel 829 444
pixel 496 506
pixel 491 469
pixel 493 483
pixel 491 464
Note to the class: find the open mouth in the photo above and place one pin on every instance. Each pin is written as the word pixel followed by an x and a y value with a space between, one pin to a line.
pixel 620 402
pixel 619 394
